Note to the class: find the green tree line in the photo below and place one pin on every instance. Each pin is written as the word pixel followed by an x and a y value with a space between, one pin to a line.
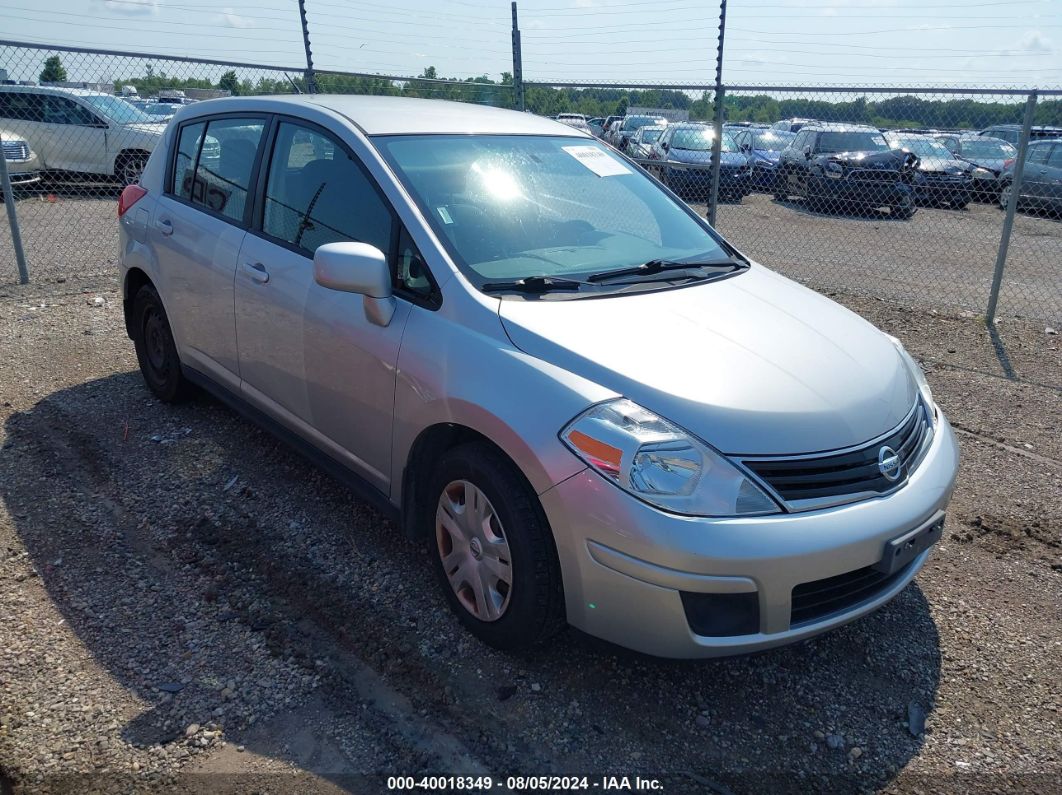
pixel 896 111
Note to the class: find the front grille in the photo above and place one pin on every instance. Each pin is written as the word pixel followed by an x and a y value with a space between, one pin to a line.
pixel 836 476
pixel 813 601
pixel 15 150
pixel 874 175
pixel 946 179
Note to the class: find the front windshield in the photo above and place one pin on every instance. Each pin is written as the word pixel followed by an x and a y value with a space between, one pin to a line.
pixel 513 206
pixel 923 147
pixel 987 148
pixel 855 141
pixel 772 140
pixel 699 139
pixel 116 109
pixel 650 134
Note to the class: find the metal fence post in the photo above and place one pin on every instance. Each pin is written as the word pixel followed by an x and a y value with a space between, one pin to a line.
pixel 717 156
pixel 518 65
pixel 311 74
pixel 12 219
pixel 717 141
pixel 1012 208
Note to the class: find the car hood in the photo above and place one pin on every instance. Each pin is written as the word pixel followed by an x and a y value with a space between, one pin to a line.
pixel 697 156
pixel 769 155
pixel 943 165
pixel 147 128
pixel 893 159
pixel 753 364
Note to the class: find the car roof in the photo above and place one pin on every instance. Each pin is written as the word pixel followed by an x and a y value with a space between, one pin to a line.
pixel 828 126
pixel 377 115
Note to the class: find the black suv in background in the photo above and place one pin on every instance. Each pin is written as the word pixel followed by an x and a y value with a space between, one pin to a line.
pixel 840 166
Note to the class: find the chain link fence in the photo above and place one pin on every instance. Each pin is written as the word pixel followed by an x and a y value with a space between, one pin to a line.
pixel 71 145
pixel 895 193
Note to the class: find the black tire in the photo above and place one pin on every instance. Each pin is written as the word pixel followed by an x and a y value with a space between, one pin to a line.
pixel 905 210
pixel 156 352
pixel 779 189
pixel 535 608
pixel 130 168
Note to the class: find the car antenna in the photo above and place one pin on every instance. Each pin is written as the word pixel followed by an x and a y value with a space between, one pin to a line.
pixel 293 83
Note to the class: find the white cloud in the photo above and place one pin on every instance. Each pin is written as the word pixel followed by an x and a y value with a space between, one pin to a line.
pixel 1036 43
pixel 231 19
pixel 132 7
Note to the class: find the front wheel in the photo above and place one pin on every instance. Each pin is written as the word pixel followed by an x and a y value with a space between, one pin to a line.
pixel 904 209
pixel 493 549
pixel 130 169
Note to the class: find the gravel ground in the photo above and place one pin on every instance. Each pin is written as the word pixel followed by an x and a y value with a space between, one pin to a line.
pixel 939 258
pixel 189 606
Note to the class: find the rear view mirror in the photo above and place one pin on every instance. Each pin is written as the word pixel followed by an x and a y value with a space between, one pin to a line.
pixel 357 268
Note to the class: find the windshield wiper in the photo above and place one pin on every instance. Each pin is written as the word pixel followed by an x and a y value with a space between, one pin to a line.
pixel 533 284
pixel 654 266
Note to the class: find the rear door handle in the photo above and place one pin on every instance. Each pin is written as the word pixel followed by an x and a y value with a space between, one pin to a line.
pixel 165 225
pixel 257 271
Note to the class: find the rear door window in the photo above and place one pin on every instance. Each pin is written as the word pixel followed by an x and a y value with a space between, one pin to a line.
pixel 21 106
pixel 185 160
pixel 225 165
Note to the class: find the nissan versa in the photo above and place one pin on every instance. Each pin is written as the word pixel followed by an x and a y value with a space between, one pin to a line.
pixel 538 360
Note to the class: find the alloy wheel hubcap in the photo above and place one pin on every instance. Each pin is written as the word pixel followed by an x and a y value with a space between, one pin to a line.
pixel 473 550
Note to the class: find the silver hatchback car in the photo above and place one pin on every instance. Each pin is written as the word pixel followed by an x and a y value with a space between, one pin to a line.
pixel 537 359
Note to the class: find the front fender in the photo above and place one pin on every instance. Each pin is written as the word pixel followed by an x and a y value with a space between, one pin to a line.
pixel 457 374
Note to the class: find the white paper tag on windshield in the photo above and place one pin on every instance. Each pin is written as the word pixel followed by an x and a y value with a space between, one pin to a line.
pixel 597 160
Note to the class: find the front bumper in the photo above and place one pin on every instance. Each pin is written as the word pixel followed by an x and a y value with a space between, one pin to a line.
pixel 698 180
pixel 859 192
pixel 942 190
pixel 23 171
pixel 625 564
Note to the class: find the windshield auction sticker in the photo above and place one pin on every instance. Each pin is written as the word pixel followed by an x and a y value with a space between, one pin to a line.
pixel 597 160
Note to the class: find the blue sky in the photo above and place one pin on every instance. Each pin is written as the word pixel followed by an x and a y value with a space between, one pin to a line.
pixel 824 42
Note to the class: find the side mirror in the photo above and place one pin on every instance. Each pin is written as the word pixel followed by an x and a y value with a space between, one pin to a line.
pixel 746 147
pixel 807 151
pixel 357 268
pixel 665 145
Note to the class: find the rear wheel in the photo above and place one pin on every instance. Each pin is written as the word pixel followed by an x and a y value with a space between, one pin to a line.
pixel 779 188
pixel 130 168
pixel 1004 195
pixel 155 349
pixel 493 549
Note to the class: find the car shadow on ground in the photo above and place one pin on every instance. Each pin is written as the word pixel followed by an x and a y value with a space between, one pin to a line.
pixel 225 581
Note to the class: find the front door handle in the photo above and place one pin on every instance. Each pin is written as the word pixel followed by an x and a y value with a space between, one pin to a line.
pixel 165 225
pixel 257 271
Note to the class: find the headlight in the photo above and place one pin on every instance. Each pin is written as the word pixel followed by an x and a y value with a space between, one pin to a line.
pixel 658 462
pixel 833 170
pixel 981 173
pixel 920 379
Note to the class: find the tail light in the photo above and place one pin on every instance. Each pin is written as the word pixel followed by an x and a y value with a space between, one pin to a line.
pixel 1008 162
pixel 130 196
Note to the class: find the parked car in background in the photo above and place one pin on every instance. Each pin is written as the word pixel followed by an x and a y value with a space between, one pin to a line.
pixel 836 167
pixel 1041 179
pixel 642 143
pixel 763 147
pixel 760 466
pixel 1011 133
pixel 941 178
pixel 576 120
pixel 630 125
pixel 684 152
pixel 987 156
pixel 81 132
pixel 596 125
pixel 790 125
pixel 22 164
